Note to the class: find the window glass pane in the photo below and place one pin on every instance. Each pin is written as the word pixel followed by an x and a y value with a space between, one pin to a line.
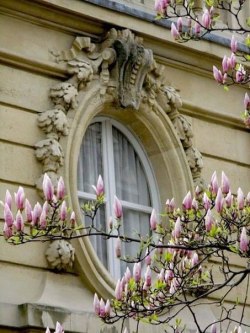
pixel 130 178
pixel 99 243
pixel 134 223
pixel 90 158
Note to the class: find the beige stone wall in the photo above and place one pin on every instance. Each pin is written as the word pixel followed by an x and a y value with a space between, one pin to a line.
pixel 31 32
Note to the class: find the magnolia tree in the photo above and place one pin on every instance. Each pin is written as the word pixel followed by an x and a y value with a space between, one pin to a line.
pixel 176 266
pixel 196 19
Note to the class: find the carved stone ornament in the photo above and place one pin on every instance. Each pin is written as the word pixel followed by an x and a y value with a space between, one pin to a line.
pixel 126 71
pixel 60 255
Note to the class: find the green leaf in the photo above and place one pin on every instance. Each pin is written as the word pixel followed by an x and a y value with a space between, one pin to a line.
pixel 225 87
pixel 247 41
pixel 248 21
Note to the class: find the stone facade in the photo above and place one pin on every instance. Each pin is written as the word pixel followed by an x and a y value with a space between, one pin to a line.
pixel 63 63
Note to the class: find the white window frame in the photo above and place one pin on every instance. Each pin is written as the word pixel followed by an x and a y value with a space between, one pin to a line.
pixel 109 181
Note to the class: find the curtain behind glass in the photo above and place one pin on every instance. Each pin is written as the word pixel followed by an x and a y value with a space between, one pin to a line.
pixel 132 186
pixel 89 168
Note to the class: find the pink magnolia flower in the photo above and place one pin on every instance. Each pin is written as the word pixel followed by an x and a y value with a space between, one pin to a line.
pixel 213 329
pixel 153 220
pixel 63 211
pixel 247 101
pixel 187 202
pixel 127 275
pixel 174 32
pixel 8 198
pixel 240 198
pixel 206 19
pixel 73 219
pixel 177 228
pixel 43 220
pixel 118 247
pixel 244 240
pixel 148 277
pixel 209 220
pixel 248 199
pixel 197 29
pixel 240 74
pixel 118 290
pixel 19 198
pixel 37 211
pixel 206 201
pixel 99 188
pixel 219 201
pixel 7 231
pixel 229 199
pixel 48 188
pixel 214 183
pixel 96 304
pixel 18 223
pixel 226 64
pixel 59 328
pixel 102 309
pixel 28 211
pixel 8 216
pixel 218 75
pixel 161 5
pixel 234 44
pixel 117 208
pixel 194 259
pixel 137 271
pixel 225 186
pixel 107 308
pixel 148 258
pixel 179 24
pixel 60 189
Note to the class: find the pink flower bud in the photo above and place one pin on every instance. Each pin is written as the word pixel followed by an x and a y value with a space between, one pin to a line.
pixel 218 75
pixel 219 201
pixel 118 247
pixel 174 32
pixel 209 220
pixel 99 188
pixel 48 188
pixel 96 304
pixel 240 198
pixel 234 44
pixel 8 198
pixel 169 275
pixel 240 74
pixel 187 202
pixel 214 183
pixel 232 61
pixel 153 220
pixel 63 211
pixel 206 19
pixel 179 24
pixel 127 275
pixel 118 290
pixel 195 259
pixel 60 189
pixel 117 208
pixel 248 199
pixel 73 219
pixel 148 277
pixel 8 216
pixel 107 308
pixel 18 223
pixel 213 329
pixel 47 330
pixel 246 102
pixel 110 222
pixel 37 211
pixel 59 328
pixel 7 231
pixel 28 211
pixel 161 275
pixel 225 186
pixel 244 241
pixel 43 220
pixel 177 228
pixel 19 198
pixel 225 64
pixel 197 29
pixel 137 271
pixel 102 308
pixel 206 201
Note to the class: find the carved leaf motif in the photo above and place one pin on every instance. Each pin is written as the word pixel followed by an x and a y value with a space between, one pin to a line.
pixel 60 255
pixel 50 153
pixel 194 158
pixel 64 95
pixel 53 121
pixel 173 96
pixel 183 129
pixel 82 68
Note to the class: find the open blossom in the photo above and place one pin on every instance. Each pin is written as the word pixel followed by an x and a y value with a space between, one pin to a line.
pixel 244 240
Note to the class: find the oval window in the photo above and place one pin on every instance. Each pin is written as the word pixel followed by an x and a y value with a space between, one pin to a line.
pixel 110 150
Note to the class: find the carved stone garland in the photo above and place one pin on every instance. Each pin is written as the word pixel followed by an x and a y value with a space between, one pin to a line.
pixel 125 70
